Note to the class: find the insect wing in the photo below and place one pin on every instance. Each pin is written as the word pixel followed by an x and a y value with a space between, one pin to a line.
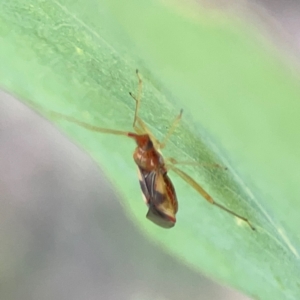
pixel 147 181
pixel 160 197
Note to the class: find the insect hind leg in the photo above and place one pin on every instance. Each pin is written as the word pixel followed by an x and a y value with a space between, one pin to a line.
pixel 188 179
pixel 173 161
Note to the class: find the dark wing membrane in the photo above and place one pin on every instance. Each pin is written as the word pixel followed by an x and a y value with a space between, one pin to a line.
pixel 147 183
pixel 155 190
pixel 159 218
pixel 150 189
pixel 171 192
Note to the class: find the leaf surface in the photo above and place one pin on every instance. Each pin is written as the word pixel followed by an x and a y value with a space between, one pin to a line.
pixel 240 104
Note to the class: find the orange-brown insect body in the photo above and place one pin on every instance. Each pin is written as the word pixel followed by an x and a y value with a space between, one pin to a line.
pixel 156 185
pixel 157 188
pixel 160 197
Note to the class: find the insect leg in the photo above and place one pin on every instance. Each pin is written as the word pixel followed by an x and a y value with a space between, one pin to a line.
pixel 171 130
pixel 156 142
pixel 137 98
pixel 173 161
pixel 205 195
pixel 159 145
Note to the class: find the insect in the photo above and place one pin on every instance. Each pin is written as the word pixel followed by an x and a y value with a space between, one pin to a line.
pixel 156 186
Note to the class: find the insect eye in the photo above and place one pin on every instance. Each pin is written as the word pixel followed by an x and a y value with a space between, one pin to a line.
pixel 159 218
pixel 149 145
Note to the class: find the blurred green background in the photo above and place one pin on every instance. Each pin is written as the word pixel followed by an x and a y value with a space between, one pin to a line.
pixel 239 91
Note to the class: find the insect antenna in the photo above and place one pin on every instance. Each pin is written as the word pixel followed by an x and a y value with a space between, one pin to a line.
pixel 88 126
pixel 138 97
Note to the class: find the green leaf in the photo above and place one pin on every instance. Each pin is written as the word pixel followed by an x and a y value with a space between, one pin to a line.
pixel 241 110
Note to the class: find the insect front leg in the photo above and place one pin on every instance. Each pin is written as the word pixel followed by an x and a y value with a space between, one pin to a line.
pixel 160 145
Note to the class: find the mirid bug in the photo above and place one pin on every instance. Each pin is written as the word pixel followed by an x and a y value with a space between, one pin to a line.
pixel 156 186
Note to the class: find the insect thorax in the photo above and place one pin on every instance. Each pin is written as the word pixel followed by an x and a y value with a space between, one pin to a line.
pixel 149 160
